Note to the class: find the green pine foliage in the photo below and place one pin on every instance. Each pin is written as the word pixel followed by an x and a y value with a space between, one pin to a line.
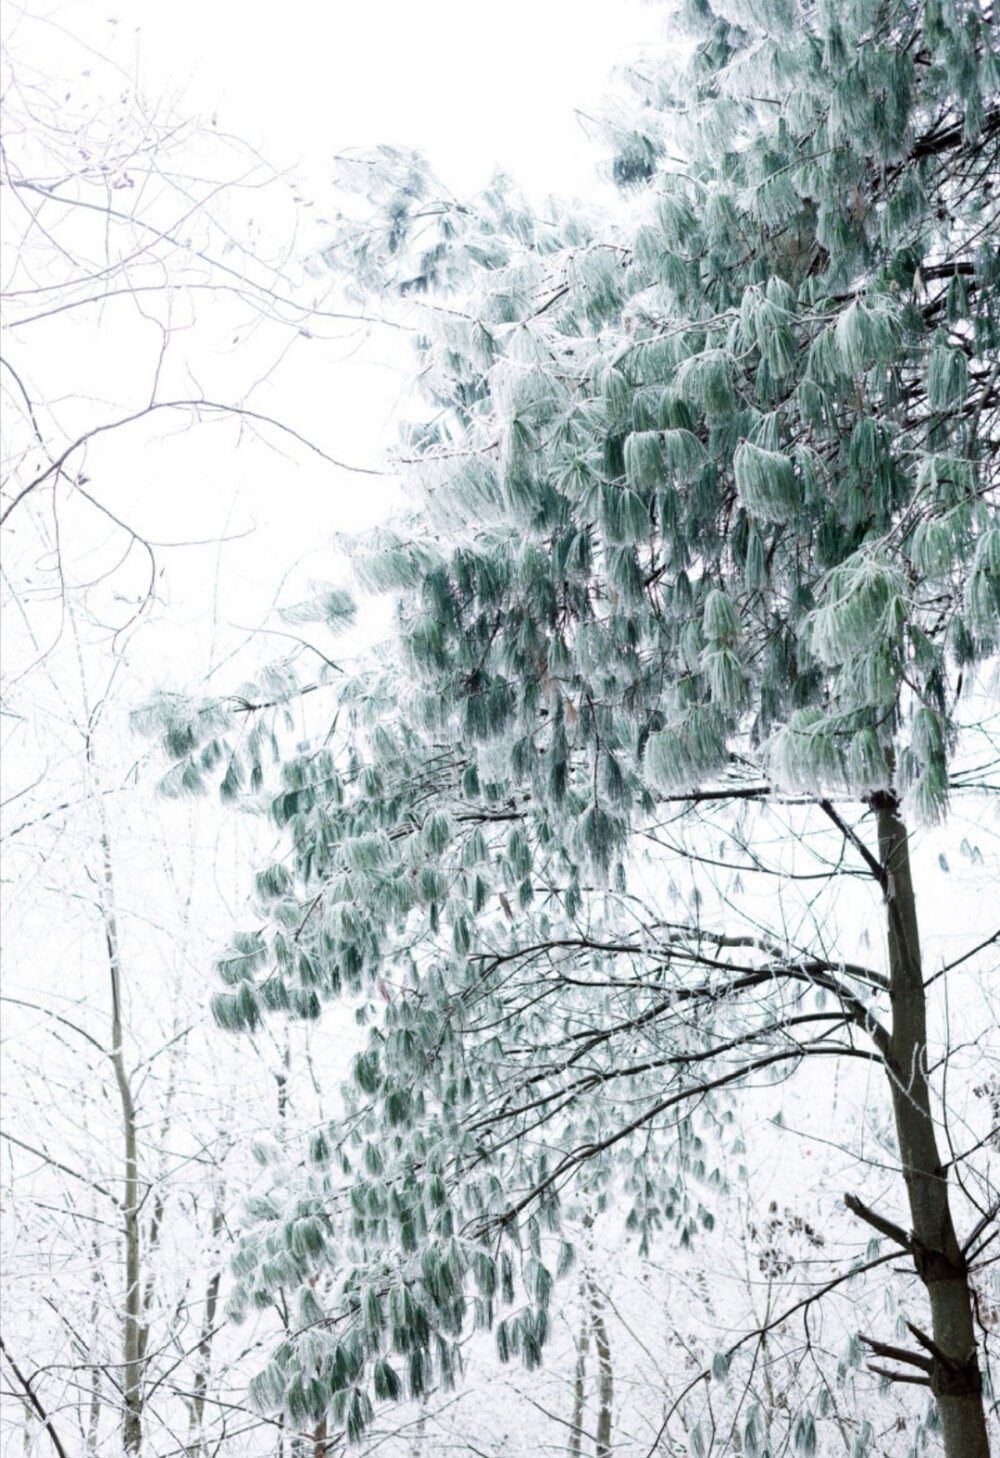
pixel 705 498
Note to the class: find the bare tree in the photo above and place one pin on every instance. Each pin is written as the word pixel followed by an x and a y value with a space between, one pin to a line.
pixel 142 296
pixel 131 266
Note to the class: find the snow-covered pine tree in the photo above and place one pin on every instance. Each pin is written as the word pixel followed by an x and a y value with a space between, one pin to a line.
pixel 706 536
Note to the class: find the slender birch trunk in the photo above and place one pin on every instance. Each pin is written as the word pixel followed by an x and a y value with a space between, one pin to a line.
pixel 203 1355
pixel 605 1385
pixel 580 1375
pixel 132 1315
pixel 94 1414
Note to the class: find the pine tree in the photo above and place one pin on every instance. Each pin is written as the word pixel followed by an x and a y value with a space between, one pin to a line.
pixel 705 535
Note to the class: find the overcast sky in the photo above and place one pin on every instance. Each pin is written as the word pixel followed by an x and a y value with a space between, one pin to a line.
pixel 477 87
pixel 474 85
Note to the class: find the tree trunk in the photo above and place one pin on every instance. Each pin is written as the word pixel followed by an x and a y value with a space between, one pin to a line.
pixel 605 1387
pixel 196 1439
pixel 580 1377
pixel 417 1447
pixel 954 1375
pixel 132 1333
pixel 94 1416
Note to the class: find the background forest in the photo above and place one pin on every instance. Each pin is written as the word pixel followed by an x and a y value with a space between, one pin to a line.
pixel 500 725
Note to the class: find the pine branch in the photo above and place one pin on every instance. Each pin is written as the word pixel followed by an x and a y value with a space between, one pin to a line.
pixel 898 1376
pixel 931 1346
pixel 933 143
pixel 898 1354
pixel 872 862
pixel 980 1225
pixel 585 1153
pixel 980 947
pixel 878 1222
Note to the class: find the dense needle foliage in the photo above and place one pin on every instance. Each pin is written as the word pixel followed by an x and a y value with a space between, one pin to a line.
pixel 704 525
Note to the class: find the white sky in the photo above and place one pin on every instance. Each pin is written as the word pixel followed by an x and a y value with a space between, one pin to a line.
pixel 476 87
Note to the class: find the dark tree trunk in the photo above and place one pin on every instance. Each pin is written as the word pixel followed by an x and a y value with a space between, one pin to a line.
pixel 953 1374
pixel 321 1448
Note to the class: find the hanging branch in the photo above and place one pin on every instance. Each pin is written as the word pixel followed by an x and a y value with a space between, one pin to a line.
pixel 33 1399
